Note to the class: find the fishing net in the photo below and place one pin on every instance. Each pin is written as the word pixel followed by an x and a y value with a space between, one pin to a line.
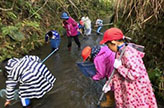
pixel 87 68
pixel 3 94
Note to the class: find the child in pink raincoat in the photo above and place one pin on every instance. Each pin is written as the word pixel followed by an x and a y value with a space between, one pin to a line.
pixel 132 87
pixel 71 27
pixel 103 59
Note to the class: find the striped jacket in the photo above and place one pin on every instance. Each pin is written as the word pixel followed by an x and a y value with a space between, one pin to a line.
pixel 31 74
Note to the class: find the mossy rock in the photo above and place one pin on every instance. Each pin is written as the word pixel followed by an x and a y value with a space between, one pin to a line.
pixel 18 36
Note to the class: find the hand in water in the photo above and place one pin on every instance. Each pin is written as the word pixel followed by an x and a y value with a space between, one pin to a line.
pixel 7 103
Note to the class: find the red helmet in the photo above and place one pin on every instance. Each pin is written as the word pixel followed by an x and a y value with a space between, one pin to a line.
pixel 81 22
pixel 86 52
pixel 112 34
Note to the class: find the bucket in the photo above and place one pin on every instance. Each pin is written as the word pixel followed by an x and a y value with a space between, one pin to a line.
pixel 55 43
pixel 87 68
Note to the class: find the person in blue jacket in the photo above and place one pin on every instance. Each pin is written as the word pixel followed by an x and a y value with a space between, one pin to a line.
pixel 80 29
pixel 54 38
pixel 99 25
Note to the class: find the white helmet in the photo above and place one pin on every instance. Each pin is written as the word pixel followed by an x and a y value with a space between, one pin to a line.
pixel 83 18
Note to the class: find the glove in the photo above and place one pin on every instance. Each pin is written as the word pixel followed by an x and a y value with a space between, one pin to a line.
pixel 106 88
pixel 117 63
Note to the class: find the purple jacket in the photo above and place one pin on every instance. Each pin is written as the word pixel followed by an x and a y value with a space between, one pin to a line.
pixel 71 27
pixel 104 61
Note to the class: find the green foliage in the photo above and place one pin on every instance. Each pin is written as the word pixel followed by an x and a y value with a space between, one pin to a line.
pixel 32 11
pixel 6 53
pixel 60 29
pixel 13 32
pixel 33 24
pixel 21 24
pixel 8 30
pixel 154 75
pixel 11 15
pixel 18 25
pixel 0 21
pixel 29 7
pixel 0 26
pixel 102 13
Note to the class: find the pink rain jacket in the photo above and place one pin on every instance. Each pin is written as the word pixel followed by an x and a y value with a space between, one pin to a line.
pixel 132 87
pixel 71 27
pixel 104 63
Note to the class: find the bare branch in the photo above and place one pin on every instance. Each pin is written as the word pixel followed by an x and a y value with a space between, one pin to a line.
pixel 38 9
pixel 61 5
pixel 9 8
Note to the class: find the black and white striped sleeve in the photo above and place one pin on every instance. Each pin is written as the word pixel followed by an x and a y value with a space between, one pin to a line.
pixel 10 87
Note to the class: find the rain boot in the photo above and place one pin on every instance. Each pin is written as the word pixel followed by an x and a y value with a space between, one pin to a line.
pixel 69 48
pixel 28 107
pixel 79 48
pixel 109 100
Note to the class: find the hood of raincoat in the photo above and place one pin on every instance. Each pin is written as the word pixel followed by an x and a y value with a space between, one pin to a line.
pixel 14 62
pixel 138 52
pixel 139 49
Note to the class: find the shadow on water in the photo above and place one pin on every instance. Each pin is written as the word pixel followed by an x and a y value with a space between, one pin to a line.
pixel 71 89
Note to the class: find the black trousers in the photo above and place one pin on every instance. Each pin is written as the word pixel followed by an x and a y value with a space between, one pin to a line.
pixel 76 39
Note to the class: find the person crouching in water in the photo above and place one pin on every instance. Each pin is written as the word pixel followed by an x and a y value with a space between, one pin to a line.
pixel 103 59
pixel 31 76
pixel 54 38
pixel 71 27
pixel 132 87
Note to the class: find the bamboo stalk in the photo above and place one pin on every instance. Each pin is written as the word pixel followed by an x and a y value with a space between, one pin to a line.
pixel 142 10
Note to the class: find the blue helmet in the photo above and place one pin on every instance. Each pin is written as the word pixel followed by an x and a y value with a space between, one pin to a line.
pixel 64 15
